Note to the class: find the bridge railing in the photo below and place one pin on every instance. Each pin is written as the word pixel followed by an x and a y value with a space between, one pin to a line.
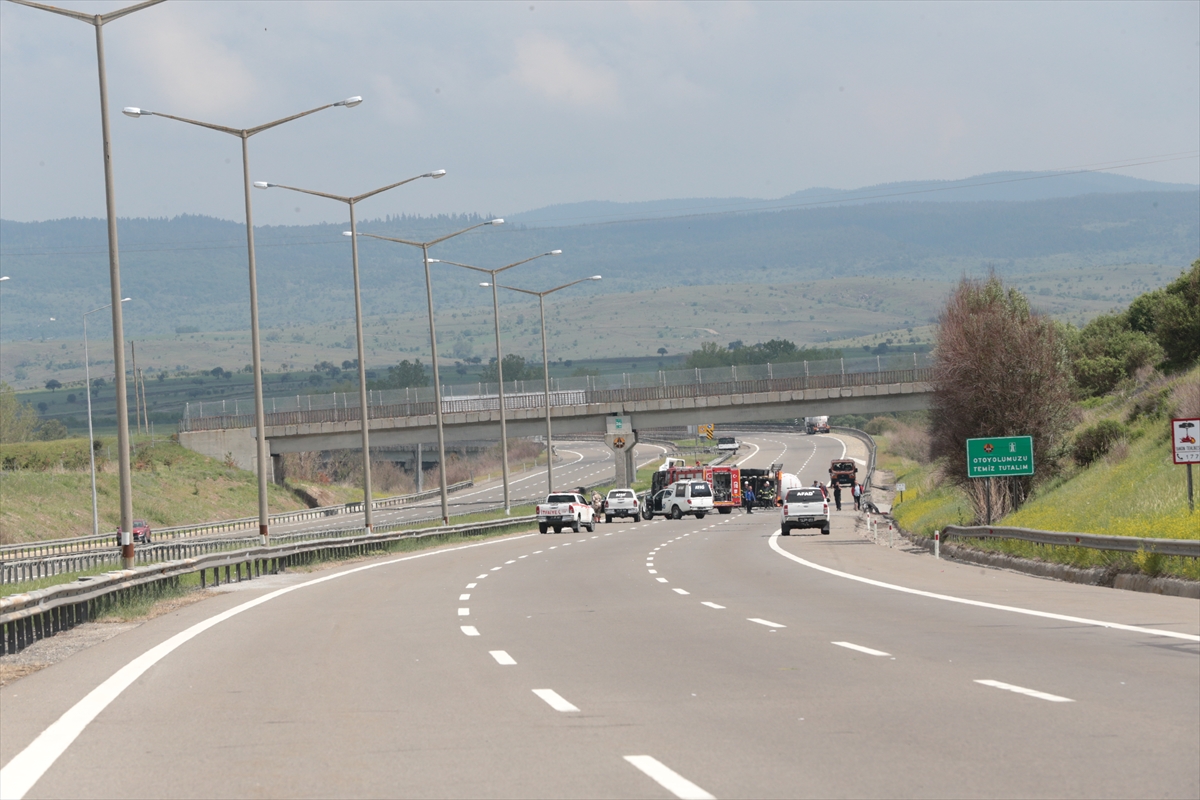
pixel 783 377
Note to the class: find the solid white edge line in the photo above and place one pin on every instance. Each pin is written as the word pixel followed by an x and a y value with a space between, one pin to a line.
pixel 554 700
pixel 668 778
pixel 774 542
pixel 766 622
pixel 27 767
pixel 1008 687
pixel 861 649
pixel 502 657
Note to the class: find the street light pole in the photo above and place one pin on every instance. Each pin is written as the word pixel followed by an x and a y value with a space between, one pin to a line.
pixel 114 267
pixel 87 379
pixel 364 409
pixel 437 383
pixel 260 418
pixel 499 358
pixel 541 296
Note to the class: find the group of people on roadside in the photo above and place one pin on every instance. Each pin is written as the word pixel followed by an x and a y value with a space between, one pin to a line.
pixel 856 491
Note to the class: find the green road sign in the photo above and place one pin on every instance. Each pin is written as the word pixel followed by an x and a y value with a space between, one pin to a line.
pixel 1000 457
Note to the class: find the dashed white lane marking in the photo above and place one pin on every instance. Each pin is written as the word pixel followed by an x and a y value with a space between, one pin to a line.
pixel 496 568
pixel 668 778
pixel 861 649
pixel 711 604
pixel 464 596
pixel 608 534
pixel 464 612
pixel 680 591
pixel 554 700
pixel 661 580
pixel 24 769
pixel 566 544
pixel 502 657
pixel 553 547
pixel 766 622
pixel 481 577
pixel 535 552
pixel 472 585
pixel 774 542
pixel 513 561
pixel 470 630
pixel 1008 687
pixel 654 572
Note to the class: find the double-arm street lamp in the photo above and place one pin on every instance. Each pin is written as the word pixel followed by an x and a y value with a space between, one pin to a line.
pixel 114 266
pixel 358 327
pixel 87 379
pixel 541 296
pixel 260 420
pixel 500 358
pixel 437 384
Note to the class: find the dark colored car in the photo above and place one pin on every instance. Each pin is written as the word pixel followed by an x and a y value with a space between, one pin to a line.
pixel 141 531
pixel 843 472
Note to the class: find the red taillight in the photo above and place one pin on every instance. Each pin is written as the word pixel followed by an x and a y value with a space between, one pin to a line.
pixel 785 510
pixel 825 508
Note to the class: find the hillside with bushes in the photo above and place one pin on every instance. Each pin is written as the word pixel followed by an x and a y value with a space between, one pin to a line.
pixel 1109 470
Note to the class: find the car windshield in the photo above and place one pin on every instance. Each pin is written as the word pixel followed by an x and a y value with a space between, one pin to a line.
pixel 561 498
pixel 701 490
pixel 805 496
pixel 726 440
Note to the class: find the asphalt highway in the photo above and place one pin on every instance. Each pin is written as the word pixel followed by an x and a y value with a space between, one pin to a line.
pixel 578 464
pixel 687 658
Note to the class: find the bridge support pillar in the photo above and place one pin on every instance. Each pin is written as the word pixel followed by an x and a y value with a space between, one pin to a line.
pixel 622 446
pixel 277 473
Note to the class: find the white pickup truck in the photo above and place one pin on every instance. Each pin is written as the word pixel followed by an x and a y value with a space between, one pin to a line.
pixel 804 508
pixel 621 503
pixel 563 510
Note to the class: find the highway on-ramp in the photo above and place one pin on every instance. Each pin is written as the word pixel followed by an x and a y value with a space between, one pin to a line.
pixel 687 658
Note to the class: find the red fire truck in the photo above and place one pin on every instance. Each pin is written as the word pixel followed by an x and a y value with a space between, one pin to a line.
pixel 726 483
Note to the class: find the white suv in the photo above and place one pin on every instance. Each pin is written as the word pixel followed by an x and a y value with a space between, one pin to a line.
pixel 727 444
pixel 688 497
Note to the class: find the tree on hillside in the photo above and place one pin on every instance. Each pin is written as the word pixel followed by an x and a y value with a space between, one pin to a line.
pixel 53 385
pixel 1172 316
pixel 1000 369
pixel 1108 350
pixel 404 375
pixel 17 420
pixel 515 369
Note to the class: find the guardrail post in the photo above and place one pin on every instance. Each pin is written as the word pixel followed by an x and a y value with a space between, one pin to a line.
pixel 937 544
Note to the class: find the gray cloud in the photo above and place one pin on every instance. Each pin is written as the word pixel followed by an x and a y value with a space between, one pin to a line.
pixel 578 101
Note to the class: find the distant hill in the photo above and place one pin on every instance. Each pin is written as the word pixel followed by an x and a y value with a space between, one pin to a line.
pixel 191 271
pixel 994 186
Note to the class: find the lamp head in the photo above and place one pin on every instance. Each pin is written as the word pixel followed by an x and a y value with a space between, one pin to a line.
pixel 262 185
pixel 495 222
pixel 485 283
pixel 130 111
pixel 347 233
pixel 349 102
pixel 556 252
pixel 437 173
pixel 433 261
pixel 595 278
pixel 126 299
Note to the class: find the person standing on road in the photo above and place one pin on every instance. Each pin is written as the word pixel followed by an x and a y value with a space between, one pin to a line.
pixel 857 491
pixel 837 495
pixel 748 499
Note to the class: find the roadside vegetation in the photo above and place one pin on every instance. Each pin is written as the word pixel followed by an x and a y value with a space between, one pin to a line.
pixel 1104 464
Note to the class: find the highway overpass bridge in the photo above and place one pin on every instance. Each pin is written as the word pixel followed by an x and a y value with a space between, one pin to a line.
pixel 399 425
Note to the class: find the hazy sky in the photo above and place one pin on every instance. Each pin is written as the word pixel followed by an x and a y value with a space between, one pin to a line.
pixel 533 103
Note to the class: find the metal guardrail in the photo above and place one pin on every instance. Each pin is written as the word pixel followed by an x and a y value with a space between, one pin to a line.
pixel 83 544
pixel 353 413
pixel 1126 544
pixel 24 618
